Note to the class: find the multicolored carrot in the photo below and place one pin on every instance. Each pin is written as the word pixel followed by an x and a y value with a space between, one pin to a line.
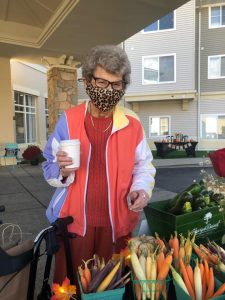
pixel 188 248
pixel 153 277
pixel 198 282
pixel 163 273
pixel 220 291
pixel 199 252
pixel 190 274
pixel 160 260
pixel 175 246
pixel 204 287
pixel 160 241
pixel 181 249
pixel 186 279
pixel 148 266
pixel 206 268
pixel 202 270
pixel 83 280
pixel 211 285
pixel 87 271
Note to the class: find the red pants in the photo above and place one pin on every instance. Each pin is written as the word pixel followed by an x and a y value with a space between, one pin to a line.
pixel 98 240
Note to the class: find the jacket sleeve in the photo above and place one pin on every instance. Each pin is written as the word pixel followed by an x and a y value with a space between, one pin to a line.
pixel 50 167
pixel 144 171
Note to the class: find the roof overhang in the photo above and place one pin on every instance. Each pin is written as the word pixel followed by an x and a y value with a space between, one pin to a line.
pixel 30 29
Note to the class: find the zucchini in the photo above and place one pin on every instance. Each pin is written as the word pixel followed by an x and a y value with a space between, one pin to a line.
pixel 173 201
pixel 194 188
pixel 183 197
pixel 204 191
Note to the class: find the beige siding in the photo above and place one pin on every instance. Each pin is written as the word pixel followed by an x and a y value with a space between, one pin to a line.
pixel 180 41
pixel 212 106
pixel 181 121
pixel 212 43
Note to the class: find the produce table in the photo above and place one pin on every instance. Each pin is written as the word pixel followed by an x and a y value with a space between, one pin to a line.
pixel 163 148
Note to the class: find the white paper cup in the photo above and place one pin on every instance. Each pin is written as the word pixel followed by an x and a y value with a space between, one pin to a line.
pixel 72 148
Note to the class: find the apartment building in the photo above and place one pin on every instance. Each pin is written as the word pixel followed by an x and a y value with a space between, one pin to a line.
pixel 177 84
pixel 178 74
pixel 210 49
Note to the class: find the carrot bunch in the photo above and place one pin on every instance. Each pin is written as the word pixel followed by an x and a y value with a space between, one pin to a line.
pixel 213 254
pixel 182 248
pixel 150 264
pixel 198 281
pixel 101 276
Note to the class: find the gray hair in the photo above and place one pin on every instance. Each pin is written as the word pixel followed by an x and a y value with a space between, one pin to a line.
pixel 112 59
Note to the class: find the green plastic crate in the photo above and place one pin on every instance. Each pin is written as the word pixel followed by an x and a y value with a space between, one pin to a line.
pixel 181 295
pixel 207 222
pixel 116 294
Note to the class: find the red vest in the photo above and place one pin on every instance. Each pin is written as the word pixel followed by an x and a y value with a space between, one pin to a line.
pixel 126 135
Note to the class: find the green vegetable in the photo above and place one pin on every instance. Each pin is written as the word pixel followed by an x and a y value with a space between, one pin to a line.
pixel 207 200
pixel 183 197
pixel 194 188
pixel 187 207
pixel 199 202
pixel 204 191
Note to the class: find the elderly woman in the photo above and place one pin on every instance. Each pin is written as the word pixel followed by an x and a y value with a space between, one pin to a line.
pixel 115 179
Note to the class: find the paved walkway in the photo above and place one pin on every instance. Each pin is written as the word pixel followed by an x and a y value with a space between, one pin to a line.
pixel 191 161
pixel 26 195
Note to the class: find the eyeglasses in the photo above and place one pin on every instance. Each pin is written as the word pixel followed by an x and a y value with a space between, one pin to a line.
pixel 103 83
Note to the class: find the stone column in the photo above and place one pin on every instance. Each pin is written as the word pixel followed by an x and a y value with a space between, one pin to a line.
pixel 7 124
pixel 62 91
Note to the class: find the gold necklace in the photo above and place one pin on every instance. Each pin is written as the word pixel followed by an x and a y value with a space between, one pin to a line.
pixel 92 122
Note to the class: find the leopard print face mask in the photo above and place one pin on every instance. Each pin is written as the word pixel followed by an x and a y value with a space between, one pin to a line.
pixel 103 99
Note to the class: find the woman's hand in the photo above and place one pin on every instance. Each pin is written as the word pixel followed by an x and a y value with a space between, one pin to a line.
pixel 63 160
pixel 138 200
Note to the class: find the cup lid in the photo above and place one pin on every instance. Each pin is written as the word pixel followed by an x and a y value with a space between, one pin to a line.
pixel 69 142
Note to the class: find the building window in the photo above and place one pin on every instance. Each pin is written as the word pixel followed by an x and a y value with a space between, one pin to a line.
pixel 25 118
pixel 213 127
pixel 158 69
pixel 165 23
pixel 217 16
pixel 159 126
pixel 216 66
pixel 46 118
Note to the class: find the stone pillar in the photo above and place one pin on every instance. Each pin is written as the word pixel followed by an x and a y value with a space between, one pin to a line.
pixel 62 91
pixel 7 124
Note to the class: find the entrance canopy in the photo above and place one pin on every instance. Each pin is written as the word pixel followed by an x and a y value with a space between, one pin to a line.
pixel 31 29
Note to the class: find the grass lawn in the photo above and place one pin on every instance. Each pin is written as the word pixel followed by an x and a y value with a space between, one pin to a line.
pixel 181 154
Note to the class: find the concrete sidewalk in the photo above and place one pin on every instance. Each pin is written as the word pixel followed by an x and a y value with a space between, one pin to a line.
pixel 26 195
pixel 175 162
